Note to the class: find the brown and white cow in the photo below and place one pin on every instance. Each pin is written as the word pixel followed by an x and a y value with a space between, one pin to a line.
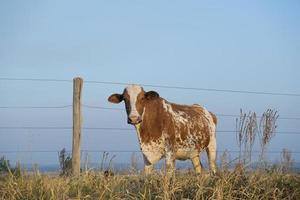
pixel 169 130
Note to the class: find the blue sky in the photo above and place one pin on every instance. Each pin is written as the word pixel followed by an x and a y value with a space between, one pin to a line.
pixel 239 45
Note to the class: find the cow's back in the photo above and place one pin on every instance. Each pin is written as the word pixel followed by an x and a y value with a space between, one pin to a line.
pixel 192 126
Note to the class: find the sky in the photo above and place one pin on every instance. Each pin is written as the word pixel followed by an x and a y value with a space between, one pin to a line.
pixel 231 45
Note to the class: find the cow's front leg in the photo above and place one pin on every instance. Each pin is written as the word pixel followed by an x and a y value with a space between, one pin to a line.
pixel 170 162
pixel 148 168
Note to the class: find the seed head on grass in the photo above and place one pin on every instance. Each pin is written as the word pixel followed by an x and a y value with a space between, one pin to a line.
pixel 267 129
pixel 246 129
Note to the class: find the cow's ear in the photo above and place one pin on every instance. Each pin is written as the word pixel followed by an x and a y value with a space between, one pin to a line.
pixel 151 95
pixel 115 98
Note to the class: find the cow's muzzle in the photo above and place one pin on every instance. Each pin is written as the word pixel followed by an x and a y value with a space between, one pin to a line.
pixel 134 120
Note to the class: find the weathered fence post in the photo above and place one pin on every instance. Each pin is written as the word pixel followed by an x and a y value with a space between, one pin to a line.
pixel 77 86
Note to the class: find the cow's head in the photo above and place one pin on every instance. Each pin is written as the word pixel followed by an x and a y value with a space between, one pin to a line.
pixel 135 99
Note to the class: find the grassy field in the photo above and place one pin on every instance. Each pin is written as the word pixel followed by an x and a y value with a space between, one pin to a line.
pixel 227 184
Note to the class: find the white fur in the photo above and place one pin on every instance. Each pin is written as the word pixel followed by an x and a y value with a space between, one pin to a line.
pixel 211 124
pixel 133 92
pixel 177 116
pixel 152 151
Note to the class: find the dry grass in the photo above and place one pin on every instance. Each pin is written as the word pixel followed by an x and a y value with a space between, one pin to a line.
pixel 267 127
pixel 236 184
pixel 246 127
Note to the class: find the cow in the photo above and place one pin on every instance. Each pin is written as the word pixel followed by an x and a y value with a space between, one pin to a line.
pixel 168 130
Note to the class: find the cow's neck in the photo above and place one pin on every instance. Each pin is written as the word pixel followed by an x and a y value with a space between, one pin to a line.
pixel 150 129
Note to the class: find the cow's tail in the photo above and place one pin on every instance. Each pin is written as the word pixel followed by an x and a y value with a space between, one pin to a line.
pixel 214 118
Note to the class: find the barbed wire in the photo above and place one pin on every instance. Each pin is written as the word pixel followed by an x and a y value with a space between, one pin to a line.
pixel 117 109
pixel 36 107
pixel 131 151
pixel 111 129
pixel 218 114
pixel 36 79
pixel 159 86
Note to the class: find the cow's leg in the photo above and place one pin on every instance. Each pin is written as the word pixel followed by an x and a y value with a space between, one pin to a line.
pixel 197 164
pixel 148 168
pixel 211 154
pixel 170 162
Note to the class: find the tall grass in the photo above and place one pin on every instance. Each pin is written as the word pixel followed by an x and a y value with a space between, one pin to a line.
pixel 235 184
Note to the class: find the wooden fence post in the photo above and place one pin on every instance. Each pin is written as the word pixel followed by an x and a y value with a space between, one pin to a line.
pixel 77 86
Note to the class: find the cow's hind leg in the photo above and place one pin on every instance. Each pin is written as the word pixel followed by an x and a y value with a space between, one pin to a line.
pixel 211 154
pixel 197 164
